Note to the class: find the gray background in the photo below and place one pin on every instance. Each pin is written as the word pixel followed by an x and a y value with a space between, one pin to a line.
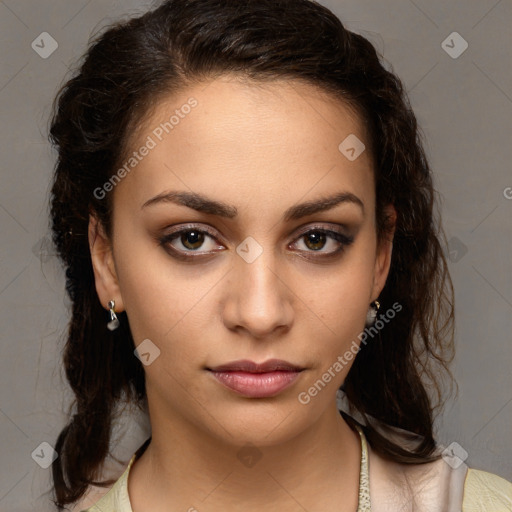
pixel 464 106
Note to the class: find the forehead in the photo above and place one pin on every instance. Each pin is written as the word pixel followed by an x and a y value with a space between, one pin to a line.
pixel 241 136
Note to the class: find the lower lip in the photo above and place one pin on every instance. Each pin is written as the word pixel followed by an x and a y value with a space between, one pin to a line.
pixel 257 385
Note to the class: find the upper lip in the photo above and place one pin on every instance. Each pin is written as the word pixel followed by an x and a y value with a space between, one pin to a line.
pixel 245 365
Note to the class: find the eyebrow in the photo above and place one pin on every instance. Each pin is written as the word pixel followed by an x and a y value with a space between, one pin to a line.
pixel 204 204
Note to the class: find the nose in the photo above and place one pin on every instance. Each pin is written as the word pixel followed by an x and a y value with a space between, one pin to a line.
pixel 258 298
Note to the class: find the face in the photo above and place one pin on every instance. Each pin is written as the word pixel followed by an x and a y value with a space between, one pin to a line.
pixel 215 262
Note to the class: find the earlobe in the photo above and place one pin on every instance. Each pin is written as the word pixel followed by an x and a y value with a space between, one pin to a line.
pixel 383 259
pixel 105 276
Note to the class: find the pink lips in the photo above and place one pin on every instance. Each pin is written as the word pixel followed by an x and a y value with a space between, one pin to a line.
pixel 257 380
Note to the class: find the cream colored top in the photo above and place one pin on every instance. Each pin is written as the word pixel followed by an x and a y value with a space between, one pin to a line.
pixel 389 487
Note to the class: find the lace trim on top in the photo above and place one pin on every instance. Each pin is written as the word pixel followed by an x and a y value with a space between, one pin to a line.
pixel 364 503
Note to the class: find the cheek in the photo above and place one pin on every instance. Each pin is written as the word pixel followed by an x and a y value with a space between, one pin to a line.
pixel 341 321
pixel 338 302
pixel 164 313
pixel 159 307
pixel 155 298
pixel 344 293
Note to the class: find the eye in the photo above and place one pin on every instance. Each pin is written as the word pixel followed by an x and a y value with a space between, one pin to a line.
pixel 189 240
pixel 185 243
pixel 317 239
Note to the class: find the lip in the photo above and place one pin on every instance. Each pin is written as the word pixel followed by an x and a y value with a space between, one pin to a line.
pixel 257 380
pixel 245 365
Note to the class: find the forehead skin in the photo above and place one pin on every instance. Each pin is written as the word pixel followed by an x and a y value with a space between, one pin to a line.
pixel 258 146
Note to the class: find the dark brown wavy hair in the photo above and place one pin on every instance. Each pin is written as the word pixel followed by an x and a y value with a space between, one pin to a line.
pixel 132 64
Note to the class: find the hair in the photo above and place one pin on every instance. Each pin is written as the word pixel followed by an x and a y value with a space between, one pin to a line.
pixel 132 64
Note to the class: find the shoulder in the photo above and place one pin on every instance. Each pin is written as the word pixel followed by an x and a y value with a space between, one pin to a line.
pixel 116 499
pixel 485 491
pixel 436 486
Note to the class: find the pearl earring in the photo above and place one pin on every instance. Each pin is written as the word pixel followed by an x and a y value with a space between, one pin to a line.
pixel 114 322
pixel 372 313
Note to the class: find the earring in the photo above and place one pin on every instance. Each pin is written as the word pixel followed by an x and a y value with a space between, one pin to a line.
pixel 372 313
pixel 114 322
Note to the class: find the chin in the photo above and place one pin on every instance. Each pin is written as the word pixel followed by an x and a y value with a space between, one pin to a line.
pixel 262 422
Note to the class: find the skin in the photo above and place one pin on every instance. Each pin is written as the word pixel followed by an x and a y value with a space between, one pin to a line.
pixel 260 148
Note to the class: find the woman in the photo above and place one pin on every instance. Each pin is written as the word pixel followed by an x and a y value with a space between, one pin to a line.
pixel 247 218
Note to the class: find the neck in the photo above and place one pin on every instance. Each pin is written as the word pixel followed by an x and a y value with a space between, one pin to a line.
pixel 184 468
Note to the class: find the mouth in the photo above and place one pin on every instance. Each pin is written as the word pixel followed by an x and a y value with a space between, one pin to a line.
pixel 254 380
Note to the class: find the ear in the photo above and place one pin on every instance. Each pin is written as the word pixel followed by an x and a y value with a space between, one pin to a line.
pixel 102 257
pixel 384 251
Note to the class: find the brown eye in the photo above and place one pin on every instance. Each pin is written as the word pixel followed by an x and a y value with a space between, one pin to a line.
pixel 315 240
pixel 187 242
pixel 192 239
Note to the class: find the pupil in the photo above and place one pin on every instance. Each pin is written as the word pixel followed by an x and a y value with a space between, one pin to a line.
pixel 192 239
pixel 320 239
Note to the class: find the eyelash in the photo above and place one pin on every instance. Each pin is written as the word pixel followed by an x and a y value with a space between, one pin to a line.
pixel 164 242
